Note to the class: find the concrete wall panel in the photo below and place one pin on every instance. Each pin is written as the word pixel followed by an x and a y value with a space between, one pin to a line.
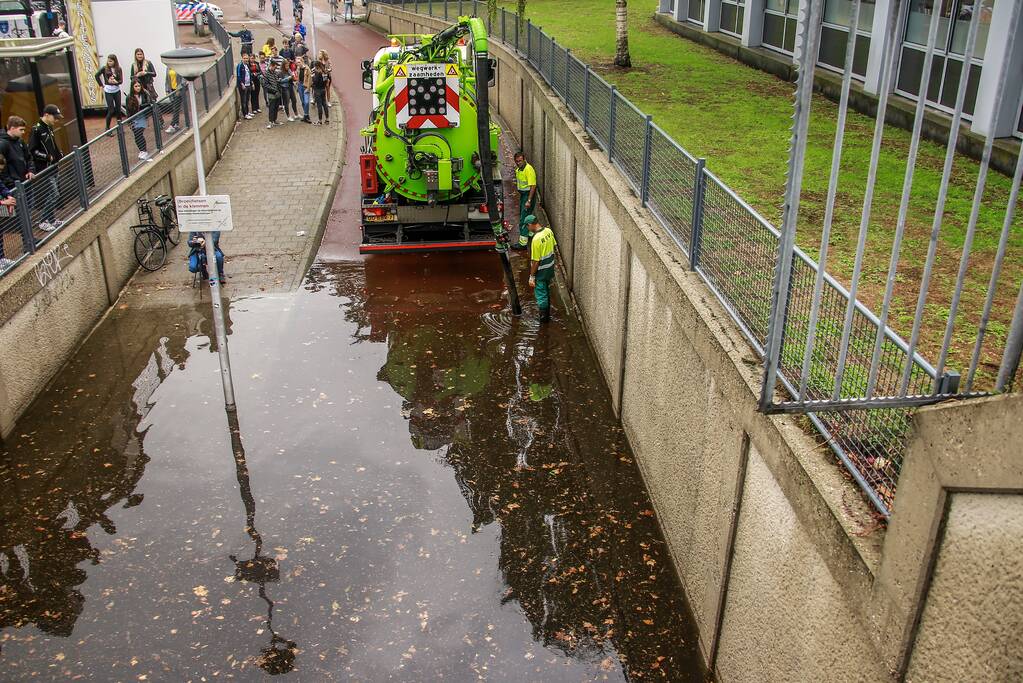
pixel 39 337
pixel 598 275
pixel 785 619
pixel 972 626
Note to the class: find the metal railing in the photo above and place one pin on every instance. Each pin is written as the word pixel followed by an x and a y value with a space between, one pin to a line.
pixel 65 190
pixel 735 251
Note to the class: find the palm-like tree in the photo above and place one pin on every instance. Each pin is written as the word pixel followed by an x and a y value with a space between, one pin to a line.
pixel 622 57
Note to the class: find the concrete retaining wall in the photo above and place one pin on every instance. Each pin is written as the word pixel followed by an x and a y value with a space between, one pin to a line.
pixel 789 576
pixel 50 303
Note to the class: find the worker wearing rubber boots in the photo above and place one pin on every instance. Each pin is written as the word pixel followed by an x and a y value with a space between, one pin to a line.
pixel 525 182
pixel 541 264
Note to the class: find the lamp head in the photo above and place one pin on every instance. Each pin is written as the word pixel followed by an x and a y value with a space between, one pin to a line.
pixel 189 62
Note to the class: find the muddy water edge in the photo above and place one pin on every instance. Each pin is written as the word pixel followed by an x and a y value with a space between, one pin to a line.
pixel 416 486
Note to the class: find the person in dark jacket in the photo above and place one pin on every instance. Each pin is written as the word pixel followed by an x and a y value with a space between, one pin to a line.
pixel 272 90
pixel 45 153
pixel 245 36
pixel 15 153
pixel 110 78
pixel 197 254
pixel 319 84
pixel 143 71
pixel 139 101
pixel 288 89
pixel 257 78
pixel 7 221
pixel 244 79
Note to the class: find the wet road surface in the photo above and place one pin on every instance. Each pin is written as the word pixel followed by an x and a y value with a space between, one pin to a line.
pixel 416 487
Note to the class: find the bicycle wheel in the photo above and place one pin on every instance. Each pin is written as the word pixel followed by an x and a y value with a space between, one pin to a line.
pixel 150 249
pixel 170 226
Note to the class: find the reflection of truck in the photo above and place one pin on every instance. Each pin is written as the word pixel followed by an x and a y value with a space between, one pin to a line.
pixel 421 166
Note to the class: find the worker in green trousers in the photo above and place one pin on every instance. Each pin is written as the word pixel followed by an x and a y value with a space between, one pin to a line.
pixel 525 182
pixel 541 264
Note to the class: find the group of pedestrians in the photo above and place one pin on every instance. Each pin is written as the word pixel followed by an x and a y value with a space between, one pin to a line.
pixel 141 84
pixel 287 80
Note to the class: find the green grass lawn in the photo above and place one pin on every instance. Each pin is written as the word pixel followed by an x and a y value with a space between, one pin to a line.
pixel 738 118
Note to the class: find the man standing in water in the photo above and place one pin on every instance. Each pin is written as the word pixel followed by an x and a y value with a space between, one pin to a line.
pixel 541 264
pixel 525 182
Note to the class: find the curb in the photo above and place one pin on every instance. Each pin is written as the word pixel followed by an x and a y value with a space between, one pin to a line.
pixel 331 190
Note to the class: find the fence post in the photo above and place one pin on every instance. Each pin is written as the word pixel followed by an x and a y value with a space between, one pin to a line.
pixel 644 185
pixel 445 10
pixel 429 8
pixel 586 99
pixel 24 217
pixel 518 20
pixel 611 124
pixel 125 168
pixel 205 96
pixel 504 25
pixel 475 8
pixel 460 10
pixel 568 72
pixel 157 122
pixel 529 39
pixel 697 234
pixel 184 94
pixel 220 85
pixel 83 193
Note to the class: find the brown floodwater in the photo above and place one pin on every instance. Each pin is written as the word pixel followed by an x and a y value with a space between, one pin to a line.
pixel 417 486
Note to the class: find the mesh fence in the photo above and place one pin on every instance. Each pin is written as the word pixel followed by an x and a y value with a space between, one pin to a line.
pixel 629 152
pixel 598 111
pixel 671 186
pixel 575 91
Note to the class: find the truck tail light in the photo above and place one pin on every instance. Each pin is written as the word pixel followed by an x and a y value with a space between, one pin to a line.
pixel 368 172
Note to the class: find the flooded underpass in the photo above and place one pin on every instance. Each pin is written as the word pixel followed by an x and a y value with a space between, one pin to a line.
pixel 417 486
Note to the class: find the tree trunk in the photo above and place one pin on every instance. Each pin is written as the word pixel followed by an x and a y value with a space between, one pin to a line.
pixel 622 34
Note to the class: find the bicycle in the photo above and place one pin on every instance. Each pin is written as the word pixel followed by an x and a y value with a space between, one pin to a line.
pixel 150 244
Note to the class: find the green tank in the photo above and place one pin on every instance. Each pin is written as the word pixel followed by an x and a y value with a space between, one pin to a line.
pixel 420 162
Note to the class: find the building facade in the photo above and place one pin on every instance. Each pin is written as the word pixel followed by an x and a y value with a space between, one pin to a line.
pixel 771 24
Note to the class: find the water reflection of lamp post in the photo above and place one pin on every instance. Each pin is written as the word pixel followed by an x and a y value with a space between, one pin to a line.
pixel 190 63
pixel 279 656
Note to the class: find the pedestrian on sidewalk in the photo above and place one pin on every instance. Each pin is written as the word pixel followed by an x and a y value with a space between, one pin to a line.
pixel 349 11
pixel 243 77
pixel 8 222
pixel 319 85
pixel 173 85
pixel 139 101
pixel 288 90
pixel 525 182
pixel 19 166
pixel 245 37
pixel 299 28
pixel 304 78
pixel 541 265
pixel 257 78
pixel 268 47
pixel 143 71
pixel 299 46
pixel 264 66
pixel 324 59
pixel 272 90
pixel 110 78
pixel 287 52
pixel 45 153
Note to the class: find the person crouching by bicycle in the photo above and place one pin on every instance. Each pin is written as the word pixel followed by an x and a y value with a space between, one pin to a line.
pixel 197 255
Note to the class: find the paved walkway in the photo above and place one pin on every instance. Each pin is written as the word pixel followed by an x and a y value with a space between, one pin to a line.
pixel 281 183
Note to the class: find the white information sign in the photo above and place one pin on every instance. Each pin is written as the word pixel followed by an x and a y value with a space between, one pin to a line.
pixel 211 213
pixel 425 70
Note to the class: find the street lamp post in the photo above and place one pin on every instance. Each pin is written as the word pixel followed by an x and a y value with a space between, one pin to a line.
pixel 190 63
pixel 312 25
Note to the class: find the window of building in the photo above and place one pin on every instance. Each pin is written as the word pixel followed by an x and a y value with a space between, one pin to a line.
pixel 835 35
pixel 946 68
pixel 696 11
pixel 780 24
pixel 732 15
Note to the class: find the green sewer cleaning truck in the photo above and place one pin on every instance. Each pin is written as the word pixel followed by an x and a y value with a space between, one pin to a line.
pixel 425 182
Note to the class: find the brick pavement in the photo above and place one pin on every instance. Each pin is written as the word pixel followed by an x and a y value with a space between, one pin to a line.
pixel 281 183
